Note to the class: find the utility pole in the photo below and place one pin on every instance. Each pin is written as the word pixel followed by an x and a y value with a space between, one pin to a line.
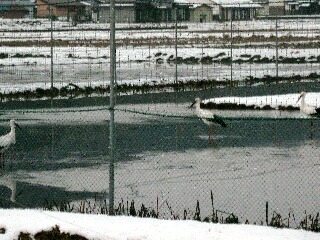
pixel 112 104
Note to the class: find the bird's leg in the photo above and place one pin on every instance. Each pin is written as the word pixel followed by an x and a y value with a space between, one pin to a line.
pixel 1 161
pixel 312 129
pixel 209 134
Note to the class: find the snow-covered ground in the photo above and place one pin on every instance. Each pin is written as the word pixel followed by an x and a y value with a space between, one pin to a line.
pixel 102 227
pixel 88 65
pixel 274 101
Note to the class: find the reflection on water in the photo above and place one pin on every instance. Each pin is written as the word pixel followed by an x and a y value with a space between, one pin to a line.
pixel 9 182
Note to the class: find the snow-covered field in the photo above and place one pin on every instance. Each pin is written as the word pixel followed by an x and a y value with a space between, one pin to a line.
pixel 101 227
pixel 274 101
pixel 85 64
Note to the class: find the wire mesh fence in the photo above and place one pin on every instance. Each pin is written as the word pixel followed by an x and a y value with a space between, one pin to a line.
pixel 165 162
pixel 262 164
pixel 35 53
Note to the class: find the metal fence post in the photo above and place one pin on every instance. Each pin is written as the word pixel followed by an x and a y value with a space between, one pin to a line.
pixel 231 48
pixel 277 48
pixel 51 46
pixel 112 104
pixel 267 213
pixel 176 42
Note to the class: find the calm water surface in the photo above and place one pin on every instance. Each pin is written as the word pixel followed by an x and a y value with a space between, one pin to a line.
pixel 62 155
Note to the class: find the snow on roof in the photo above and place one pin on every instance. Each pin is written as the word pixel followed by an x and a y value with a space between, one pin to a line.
pixel 237 3
pixel 63 2
pixel 223 3
pixel 117 5
pixel 194 2
pixel 15 3
pixel 180 1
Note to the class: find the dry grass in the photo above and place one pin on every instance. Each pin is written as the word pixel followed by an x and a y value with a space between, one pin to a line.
pixel 54 233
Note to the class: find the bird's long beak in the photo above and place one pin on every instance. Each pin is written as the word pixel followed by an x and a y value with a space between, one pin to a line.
pixel 299 98
pixel 192 104
pixel 17 125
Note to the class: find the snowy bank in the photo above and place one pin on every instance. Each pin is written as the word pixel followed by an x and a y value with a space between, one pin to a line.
pixel 121 227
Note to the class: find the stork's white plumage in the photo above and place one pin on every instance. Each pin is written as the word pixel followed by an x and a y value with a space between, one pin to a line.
pixel 306 108
pixel 207 117
pixel 8 140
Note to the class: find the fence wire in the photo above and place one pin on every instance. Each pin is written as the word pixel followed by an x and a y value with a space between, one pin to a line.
pixel 261 168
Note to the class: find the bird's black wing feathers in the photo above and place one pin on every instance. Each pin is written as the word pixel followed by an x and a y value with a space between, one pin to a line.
pixel 218 120
pixel 318 112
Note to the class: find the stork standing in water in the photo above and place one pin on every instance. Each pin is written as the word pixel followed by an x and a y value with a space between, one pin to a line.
pixel 306 108
pixel 207 117
pixel 309 110
pixel 7 140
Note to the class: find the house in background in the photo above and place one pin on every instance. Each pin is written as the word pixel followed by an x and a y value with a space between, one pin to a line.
pixel 139 11
pixel 224 10
pixel 170 10
pixel 194 10
pixel 237 9
pixel 142 11
pixel 145 12
pixel 276 7
pixel 264 9
pixel 163 10
pixel 17 9
pixel 200 13
pixel 61 9
pixel 156 11
pixel 124 11
pixel 302 7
